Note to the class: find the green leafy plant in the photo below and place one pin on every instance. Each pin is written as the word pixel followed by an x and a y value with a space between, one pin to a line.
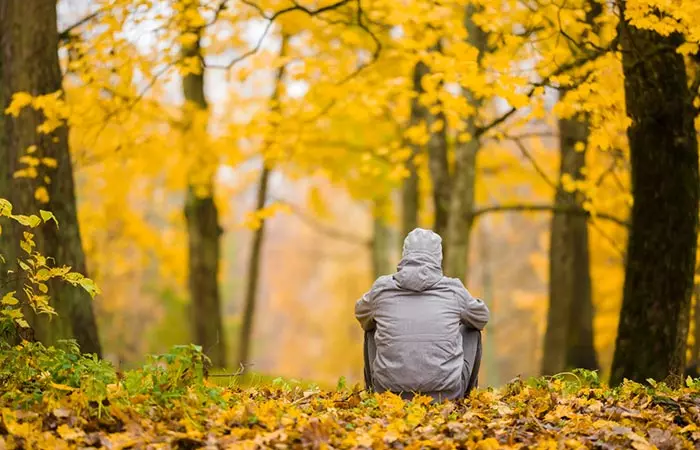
pixel 34 274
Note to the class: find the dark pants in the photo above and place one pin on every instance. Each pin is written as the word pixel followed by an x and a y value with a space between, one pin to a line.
pixel 471 344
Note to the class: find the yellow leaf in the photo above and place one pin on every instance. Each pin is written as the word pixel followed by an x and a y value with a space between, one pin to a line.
pixel 41 194
pixel 47 215
pixel 9 299
pixel 488 444
pixel 19 101
pixel 68 433
pixel 49 162
pixel 62 387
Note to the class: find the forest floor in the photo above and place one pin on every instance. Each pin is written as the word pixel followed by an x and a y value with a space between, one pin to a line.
pixel 53 399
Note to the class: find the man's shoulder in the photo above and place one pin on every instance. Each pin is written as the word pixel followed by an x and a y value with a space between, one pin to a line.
pixel 383 282
pixel 454 284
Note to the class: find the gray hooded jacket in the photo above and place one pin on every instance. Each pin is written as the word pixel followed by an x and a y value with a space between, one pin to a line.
pixel 417 314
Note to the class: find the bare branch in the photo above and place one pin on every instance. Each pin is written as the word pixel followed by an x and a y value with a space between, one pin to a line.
pixel 66 34
pixel 271 18
pixel 526 153
pixel 575 64
pixel 574 210
pixel 326 230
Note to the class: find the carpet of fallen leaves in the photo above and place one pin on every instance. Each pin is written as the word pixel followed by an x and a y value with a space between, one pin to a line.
pixel 58 399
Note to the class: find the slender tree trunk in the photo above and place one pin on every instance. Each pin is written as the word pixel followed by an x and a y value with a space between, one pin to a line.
pixel 244 349
pixel 381 241
pixel 652 333
pixel 203 230
pixel 29 54
pixel 569 337
pixel 253 276
pixel 695 350
pixel 459 224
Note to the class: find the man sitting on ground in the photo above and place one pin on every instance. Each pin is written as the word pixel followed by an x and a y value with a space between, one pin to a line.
pixel 422 329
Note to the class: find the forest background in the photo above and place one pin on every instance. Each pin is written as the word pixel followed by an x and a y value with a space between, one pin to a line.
pixel 244 170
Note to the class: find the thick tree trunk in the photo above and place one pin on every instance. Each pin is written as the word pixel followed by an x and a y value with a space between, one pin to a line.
pixel 459 223
pixel 246 337
pixel 652 333
pixel 381 241
pixel 204 236
pixel 569 337
pixel 29 54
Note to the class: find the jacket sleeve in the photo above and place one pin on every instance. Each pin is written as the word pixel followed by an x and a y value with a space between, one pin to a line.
pixel 474 311
pixel 364 311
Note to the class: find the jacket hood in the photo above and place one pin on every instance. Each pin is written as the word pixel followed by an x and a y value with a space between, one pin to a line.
pixel 421 265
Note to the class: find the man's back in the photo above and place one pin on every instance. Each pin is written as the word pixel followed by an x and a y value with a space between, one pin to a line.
pixel 418 317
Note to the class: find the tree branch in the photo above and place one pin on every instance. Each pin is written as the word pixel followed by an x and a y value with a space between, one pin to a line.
pixel 65 34
pixel 324 229
pixel 574 210
pixel 575 64
pixel 271 18
pixel 532 160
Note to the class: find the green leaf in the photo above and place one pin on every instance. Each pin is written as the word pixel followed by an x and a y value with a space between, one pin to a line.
pixel 9 299
pixel 24 266
pixel 341 384
pixel 48 215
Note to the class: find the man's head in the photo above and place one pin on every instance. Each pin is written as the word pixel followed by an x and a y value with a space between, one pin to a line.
pixel 423 241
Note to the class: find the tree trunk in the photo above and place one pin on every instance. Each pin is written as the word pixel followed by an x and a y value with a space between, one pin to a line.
pixel 381 241
pixel 29 54
pixel 244 349
pixel 652 333
pixel 204 234
pixel 569 337
pixel 439 167
pixel 459 223
pixel 695 350
pixel 439 172
pixel 410 196
pixel 253 276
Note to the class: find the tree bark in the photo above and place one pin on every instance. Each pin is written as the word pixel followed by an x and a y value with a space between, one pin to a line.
pixel 410 196
pixel 568 340
pixel 695 350
pixel 652 333
pixel 381 241
pixel 29 54
pixel 253 276
pixel 204 234
pixel 439 172
pixel 246 337
pixel 461 206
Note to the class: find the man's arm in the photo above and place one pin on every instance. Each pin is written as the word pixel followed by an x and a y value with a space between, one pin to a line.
pixel 364 311
pixel 474 311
